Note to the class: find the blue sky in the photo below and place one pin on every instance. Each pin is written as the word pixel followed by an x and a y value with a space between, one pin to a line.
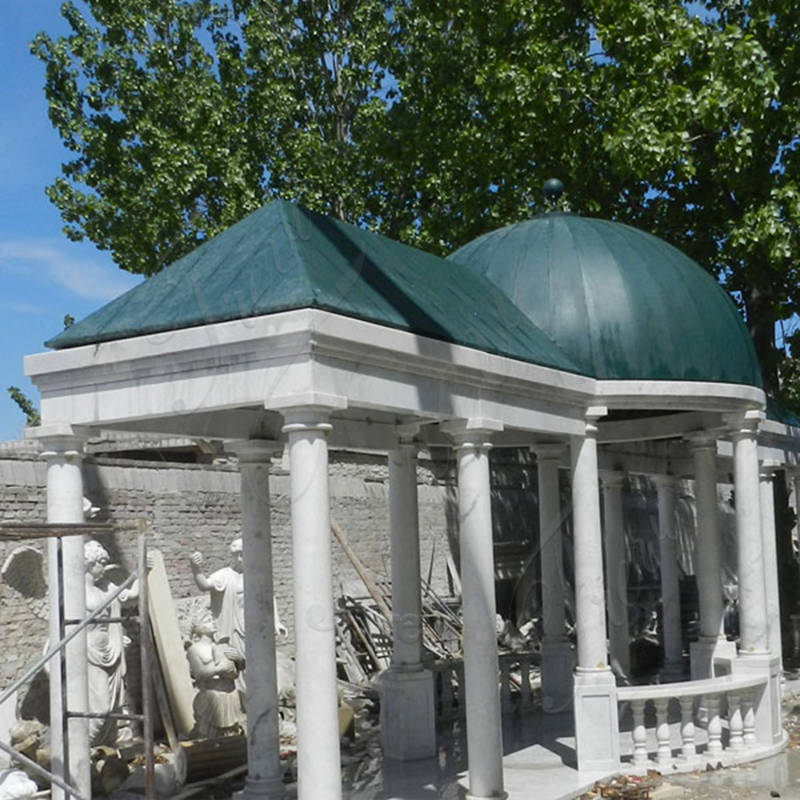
pixel 43 275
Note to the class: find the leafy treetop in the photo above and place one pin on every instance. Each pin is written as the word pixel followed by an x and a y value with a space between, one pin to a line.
pixel 433 122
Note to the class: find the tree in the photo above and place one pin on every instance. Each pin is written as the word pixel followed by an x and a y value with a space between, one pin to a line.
pixel 185 115
pixel 436 121
pixel 25 405
pixel 706 110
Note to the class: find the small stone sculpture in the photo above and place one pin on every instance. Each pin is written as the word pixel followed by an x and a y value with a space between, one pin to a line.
pixel 217 705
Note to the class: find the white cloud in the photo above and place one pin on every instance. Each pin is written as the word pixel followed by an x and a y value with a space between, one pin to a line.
pixel 21 307
pixel 89 278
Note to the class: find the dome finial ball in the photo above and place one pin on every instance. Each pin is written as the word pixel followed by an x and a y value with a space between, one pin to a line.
pixel 553 189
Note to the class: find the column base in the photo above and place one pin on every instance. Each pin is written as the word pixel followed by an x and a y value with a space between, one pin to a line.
pixel 596 720
pixel 501 796
pixel 705 652
pixel 672 672
pixel 769 729
pixel 261 789
pixel 558 665
pixel 408 719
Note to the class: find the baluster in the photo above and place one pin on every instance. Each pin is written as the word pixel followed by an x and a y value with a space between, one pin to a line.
pixel 735 723
pixel 639 734
pixel 714 727
pixel 664 752
pixel 749 720
pixel 527 693
pixel 688 748
pixel 505 685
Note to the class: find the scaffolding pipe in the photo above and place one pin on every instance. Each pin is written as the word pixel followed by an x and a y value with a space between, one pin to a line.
pixel 39 770
pixel 6 693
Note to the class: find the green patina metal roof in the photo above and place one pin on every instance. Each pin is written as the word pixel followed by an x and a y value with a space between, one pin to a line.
pixel 622 303
pixel 284 257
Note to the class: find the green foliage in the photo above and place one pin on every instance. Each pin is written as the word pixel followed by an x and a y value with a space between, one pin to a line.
pixel 790 375
pixel 25 406
pixel 434 122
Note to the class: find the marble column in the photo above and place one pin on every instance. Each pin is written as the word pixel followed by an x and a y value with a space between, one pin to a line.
pixel 616 569
pixel 771 591
pixel 70 755
pixel 264 776
pixel 708 573
pixel 318 757
pixel 670 585
pixel 749 543
pixel 408 720
pixel 754 655
pixel 558 655
pixel 596 721
pixel 484 737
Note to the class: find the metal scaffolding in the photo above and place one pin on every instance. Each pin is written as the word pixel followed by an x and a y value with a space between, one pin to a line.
pixel 69 629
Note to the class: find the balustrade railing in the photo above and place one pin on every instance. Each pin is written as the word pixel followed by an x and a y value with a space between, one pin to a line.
pixel 723 709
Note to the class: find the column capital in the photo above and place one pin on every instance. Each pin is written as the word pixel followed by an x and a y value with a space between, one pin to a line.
pixel 664 481
pixel 472 431
pixel 302 401
pixel 59 439
pixel 591 417
pixel 548 451
pixel 702 440
pixel 612 478
pixel 255 451
pixel 743 424
pixel 406 433
pixel 767 468
pixel 310 411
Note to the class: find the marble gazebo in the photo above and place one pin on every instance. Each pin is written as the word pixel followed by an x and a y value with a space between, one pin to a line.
pixel 598 346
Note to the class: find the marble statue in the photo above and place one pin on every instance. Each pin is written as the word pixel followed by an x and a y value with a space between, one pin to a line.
pixel 226 590
pixel 217 704
pixel 105 645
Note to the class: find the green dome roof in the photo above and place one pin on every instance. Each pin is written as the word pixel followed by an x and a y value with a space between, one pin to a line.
pixel 621 303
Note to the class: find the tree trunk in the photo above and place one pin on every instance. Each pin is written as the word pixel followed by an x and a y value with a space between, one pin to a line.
pixel 761 324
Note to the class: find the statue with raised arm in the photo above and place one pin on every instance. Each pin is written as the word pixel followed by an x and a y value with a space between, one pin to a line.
pixel 105 644
pixel 226 590
pixel 226 587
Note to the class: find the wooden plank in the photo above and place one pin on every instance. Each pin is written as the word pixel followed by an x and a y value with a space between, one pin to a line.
pixel 162 701
pixel 169 646
pixel 17 531
pixel 370 585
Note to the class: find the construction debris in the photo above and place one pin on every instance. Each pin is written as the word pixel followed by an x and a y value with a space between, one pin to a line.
pixel 626 787
pixel 364 640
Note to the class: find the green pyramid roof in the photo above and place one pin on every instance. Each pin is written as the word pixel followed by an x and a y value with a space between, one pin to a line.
pixel 284 257
pixel 622 303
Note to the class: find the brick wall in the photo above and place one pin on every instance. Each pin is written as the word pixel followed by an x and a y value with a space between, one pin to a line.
pixel 196 507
